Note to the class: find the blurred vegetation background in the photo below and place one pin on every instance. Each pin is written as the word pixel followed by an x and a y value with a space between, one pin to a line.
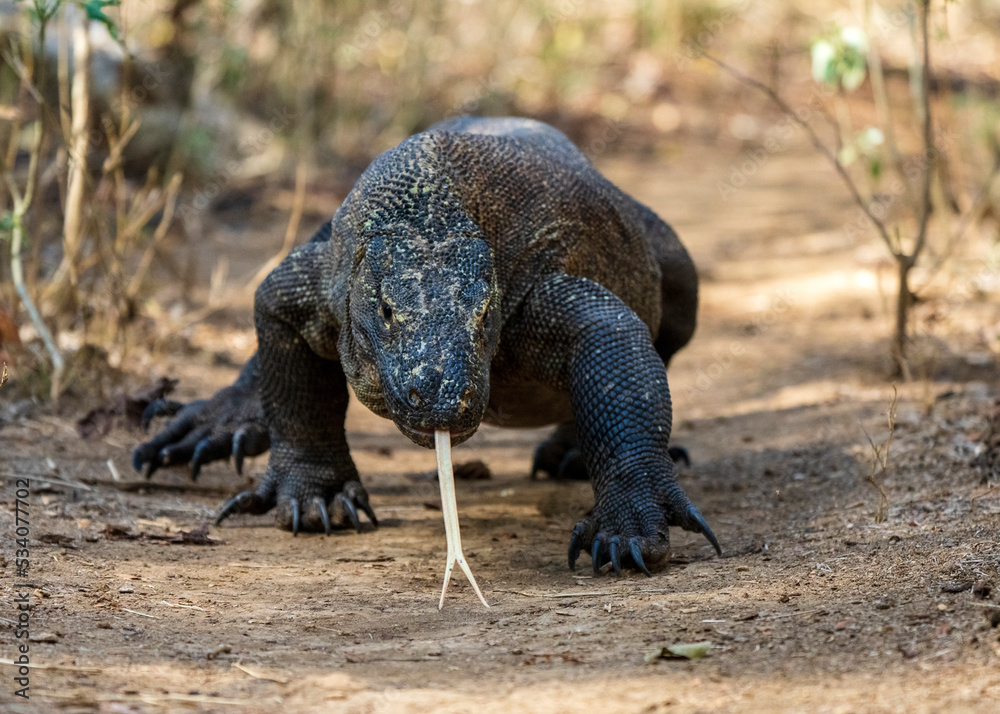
pixel 193 117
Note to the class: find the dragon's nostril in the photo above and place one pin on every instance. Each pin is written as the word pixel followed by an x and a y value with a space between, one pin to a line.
pixel 414 398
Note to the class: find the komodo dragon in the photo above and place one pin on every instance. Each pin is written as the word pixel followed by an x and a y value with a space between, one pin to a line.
pixel 482 270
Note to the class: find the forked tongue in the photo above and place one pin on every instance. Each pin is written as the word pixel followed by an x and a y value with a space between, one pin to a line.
pixel 449 507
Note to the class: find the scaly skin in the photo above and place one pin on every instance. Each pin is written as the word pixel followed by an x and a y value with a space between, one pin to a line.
pixel 481 268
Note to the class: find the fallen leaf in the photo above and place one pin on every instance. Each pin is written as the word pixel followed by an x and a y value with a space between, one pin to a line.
pixel 44 637
pixel 118 533
pixel 198 536
pixel 690 650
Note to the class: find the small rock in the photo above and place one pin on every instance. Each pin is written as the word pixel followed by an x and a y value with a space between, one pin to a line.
pixel 49 637
pixel 472 471
pixel 55 539
pixel 218 651
pixel 126 589
pixel 957 586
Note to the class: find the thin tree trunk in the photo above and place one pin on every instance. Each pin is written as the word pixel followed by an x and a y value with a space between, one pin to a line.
pixel 901 338
pixel 73 222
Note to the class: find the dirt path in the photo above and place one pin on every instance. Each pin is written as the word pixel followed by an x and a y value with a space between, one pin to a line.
pixel 813 607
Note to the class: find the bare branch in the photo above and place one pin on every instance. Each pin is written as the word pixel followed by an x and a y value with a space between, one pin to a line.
pixel 820 146
pixel 21 205
pixel 161 231
pixel 15 63
pixel 930 153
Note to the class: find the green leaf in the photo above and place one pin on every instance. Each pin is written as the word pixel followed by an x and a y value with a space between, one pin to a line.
pixel 824 62
pixel 855 39
pixel 853 77
pixel 95 11
pixel 841 58
pixel 875 167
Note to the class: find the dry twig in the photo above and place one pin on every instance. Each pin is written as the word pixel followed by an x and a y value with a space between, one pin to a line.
pixel 880 461
pixel 22 202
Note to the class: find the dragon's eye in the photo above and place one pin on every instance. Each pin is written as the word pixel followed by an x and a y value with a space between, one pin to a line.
pixel 386 312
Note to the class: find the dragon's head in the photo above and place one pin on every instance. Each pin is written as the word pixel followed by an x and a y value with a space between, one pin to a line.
pixel 425 322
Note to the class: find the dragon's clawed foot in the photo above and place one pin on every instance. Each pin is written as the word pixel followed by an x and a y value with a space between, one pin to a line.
pixel 228 424
pixel 626 539
pixel 304 508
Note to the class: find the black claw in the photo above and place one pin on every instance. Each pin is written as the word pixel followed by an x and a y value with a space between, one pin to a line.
pixel 352 512
pixel 323 513
pixel 137 460
pixel 616 556
pixel 296 517
pixel 156 408
pixel 154 464
pixel 149 413
pixel 230 507
pixel 239 449
pixel 369 512
pixel 575 545
pixel 702 527
pixel 595 553
pixel 678 454
pixel 245 502
pixel 636 552
pixel 199 457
